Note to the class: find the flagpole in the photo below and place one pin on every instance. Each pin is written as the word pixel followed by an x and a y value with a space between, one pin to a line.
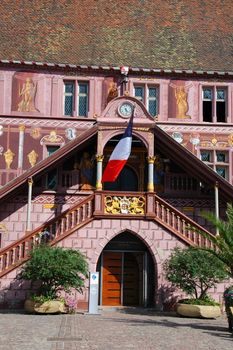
pixel 120 154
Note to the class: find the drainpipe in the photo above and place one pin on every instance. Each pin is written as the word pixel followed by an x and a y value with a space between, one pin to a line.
pixel 29 207
pixel 99 170
pixel 216 204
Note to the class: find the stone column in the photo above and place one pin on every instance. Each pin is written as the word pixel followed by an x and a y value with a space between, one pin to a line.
pixel 21 142
pixel 29 207
pixel 99 170
pixel 150 184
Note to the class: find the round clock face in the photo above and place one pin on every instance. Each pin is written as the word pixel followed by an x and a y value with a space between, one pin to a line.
pixel 125 110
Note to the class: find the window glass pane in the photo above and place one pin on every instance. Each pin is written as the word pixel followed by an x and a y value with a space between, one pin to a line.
pixel 82 88
pixel 152 101
pixel 221 157
pixel 82 110
pixel 221 93
pixel 221 171
pixel 139 92
pixel 83 100
pixel 69 98
pixel 52 179
pixel 152 107
pixel 69 87
pixel 52 149
pixel 207 94
pixel 206 156
pixel 152 92
pixel 68 105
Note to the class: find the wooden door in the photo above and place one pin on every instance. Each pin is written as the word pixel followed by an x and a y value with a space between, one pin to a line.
pixel 122 278
pixel 131 280
pixel 111 278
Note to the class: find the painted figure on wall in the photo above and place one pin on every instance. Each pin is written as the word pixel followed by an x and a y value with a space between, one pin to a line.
pixel 9 156
pixel 112 91
pixel 181 101
pixel 32 157
pixel 27 94
pixel 86 167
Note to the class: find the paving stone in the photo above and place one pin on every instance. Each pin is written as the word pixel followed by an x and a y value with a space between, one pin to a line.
pixel 112 330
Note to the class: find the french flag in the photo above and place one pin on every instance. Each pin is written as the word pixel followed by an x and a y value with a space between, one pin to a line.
pixel 119 155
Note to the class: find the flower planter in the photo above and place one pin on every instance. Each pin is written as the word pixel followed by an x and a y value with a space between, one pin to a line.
pixel 47 307
pixel 202 311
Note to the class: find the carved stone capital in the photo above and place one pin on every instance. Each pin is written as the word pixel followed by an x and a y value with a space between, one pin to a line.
pixel 99 157
pixel 30 181
pixel 151 159
pixel 21 127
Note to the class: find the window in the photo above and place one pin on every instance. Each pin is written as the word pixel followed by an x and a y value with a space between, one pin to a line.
pixel 217 160
pixel 149 96
pixel 214 104
pixel 51 149
pixel 52 180
pixel 76 98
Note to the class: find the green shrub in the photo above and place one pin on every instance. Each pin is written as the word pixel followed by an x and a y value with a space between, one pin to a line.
pixel 194 271
pixel 55 269
pixel 206 301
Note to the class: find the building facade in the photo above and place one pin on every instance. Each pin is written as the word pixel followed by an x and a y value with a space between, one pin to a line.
pixel 59 123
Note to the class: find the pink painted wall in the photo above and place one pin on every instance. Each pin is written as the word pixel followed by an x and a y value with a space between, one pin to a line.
pixel 92 239
pixel 48 115
pixel 13 214
pixel 49 94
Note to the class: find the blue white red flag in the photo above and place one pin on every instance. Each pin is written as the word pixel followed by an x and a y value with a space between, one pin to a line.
pixel 119 155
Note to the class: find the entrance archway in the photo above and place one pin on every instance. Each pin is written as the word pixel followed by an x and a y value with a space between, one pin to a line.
pixel 127 272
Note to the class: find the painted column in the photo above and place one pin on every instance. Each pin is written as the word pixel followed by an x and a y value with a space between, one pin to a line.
pixel 216 203
pixel 29 207
pixel 21 142
pixel 150 185
pixel 99 159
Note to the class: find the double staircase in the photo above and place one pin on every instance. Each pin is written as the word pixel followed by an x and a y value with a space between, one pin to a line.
pixel 94 206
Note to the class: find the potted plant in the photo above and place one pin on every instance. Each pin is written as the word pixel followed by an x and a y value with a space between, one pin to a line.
pixel 52 271
pixel 194 271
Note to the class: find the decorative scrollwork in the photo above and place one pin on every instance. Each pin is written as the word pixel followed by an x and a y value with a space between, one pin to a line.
pixel 131 205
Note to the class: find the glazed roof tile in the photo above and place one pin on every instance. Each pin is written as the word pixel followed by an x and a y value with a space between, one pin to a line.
pixel 161 34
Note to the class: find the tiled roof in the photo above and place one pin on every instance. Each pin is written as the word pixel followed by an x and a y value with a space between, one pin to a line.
pixel 163 34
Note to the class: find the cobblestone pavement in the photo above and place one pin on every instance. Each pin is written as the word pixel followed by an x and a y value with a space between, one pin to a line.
pixel 112 330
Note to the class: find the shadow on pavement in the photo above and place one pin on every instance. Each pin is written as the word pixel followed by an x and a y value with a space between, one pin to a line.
pixel 214 328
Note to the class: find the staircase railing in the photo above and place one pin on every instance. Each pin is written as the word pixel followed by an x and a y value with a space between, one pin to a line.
pixel 81 213
pixel 180 224
pixel 142 205
pixel 54 230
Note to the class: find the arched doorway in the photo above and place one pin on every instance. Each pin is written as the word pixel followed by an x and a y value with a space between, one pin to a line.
pixel 127 272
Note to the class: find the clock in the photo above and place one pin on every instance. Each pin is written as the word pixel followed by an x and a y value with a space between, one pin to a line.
pixel 125 110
